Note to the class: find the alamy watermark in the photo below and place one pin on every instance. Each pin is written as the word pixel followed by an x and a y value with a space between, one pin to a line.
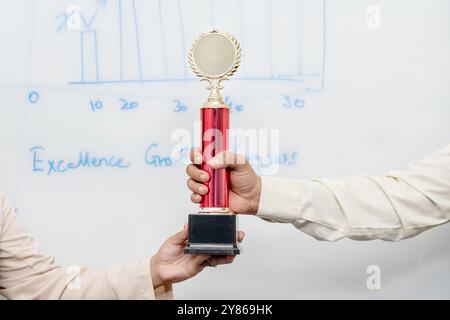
pixel 373 17
pixel 373 281
pixel 251 144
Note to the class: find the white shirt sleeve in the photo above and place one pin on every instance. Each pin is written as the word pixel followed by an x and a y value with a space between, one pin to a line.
pixel 28 273
pixel 391 207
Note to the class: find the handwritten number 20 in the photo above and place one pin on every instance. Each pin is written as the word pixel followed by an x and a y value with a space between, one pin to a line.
pixel 128 105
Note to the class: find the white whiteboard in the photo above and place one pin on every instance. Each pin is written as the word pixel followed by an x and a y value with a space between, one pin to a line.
pixel 355 87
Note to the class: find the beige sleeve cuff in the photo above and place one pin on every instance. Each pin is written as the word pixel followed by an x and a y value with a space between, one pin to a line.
pixel 116 282
pixel 306 204
pixel 280 200
pixel 160 293
pixel 144 286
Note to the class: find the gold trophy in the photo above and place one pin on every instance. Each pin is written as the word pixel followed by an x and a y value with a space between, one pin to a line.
pixel 214 57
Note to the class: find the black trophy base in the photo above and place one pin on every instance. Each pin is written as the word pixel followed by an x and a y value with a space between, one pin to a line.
pixel 212 234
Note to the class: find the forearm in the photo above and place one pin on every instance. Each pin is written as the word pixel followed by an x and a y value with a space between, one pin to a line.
pixel 390 207
pixel 28 273
pixel 52 282
pixel 115 282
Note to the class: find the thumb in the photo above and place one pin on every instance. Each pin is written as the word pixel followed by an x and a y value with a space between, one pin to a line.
pixel 180 237
pixel 228 159
pixel 196 156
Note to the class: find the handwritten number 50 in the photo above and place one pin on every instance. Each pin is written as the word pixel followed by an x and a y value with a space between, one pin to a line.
pixel 292 102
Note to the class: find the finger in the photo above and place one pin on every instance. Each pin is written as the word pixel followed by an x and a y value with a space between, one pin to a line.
pixel 196 198
pixel 180 237
pixel 229 159
pixel 219 260
pixel 196 173
pixel 196 156
pixel 200 259
pixel 197 187
pixel 197 264
pixel 241 236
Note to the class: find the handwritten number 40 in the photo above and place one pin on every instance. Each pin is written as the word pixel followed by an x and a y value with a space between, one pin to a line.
pixel 293 102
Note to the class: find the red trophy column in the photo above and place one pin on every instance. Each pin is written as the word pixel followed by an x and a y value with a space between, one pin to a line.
pixel 215 124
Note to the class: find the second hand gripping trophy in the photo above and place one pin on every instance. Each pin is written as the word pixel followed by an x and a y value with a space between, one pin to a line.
pixel 214 57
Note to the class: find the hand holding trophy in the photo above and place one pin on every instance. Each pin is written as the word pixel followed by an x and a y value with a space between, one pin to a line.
pixel 214 57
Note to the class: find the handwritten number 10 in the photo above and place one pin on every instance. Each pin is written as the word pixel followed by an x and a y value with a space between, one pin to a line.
pixel 96 105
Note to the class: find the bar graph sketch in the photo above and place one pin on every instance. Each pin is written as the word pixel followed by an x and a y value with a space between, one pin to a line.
pixel 144 41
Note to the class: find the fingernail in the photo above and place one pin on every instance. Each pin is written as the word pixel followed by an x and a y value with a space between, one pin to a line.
pixel 214 161
pixel 198 159
pixel 202 189
pixel 203 177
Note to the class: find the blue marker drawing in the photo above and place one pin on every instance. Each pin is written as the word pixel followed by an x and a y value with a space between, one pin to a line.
pixel 82 56
pixel 101 4
pixel 96 105
pixel 33 97
pixel 64 17
pixel 183 38
pixel 156 160
pixel 233 106
pixel 84 37
pixel 34 150
pixel 120 40
pixel 179 106
pixel 138 41
pixel 311 80
pixel 163 43
pixel 285 158
pixel 85 159
pixel 128 105
pixel 293 102
pixel 41 163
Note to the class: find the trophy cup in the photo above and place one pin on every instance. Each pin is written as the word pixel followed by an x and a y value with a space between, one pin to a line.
pixel 214 57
